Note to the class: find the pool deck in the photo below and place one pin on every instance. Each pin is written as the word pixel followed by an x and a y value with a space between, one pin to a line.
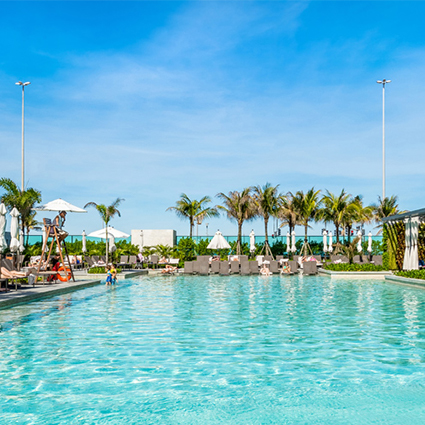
pixel 28 293
pixel 417 283
pixel 355 275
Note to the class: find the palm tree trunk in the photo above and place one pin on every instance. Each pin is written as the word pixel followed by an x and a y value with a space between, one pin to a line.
pixel 266 238
pixel 239 244
pixel 337 233
pixel 305 239
pixel 191 227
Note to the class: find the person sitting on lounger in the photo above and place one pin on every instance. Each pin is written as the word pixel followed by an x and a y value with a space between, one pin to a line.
pixel 168 269
pixel 286 268
pixel 13 274
pixel 265 271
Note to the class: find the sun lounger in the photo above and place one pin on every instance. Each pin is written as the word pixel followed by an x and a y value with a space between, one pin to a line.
pixel 188 267
pixel 245 268
pixel 234 267
pixel 243 258
pixel 309 267
pixel 215 267
pixel 377 260
pixel 268 258
pixel 123 261
pixel 293 265
pixel 204 268
pixel 279 257
pixel 274 266
pixel 132 261
pixel 154 261
pixel 224 268
pixel 253 267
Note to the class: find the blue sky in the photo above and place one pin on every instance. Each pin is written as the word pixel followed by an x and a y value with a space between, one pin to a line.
pixel 146 100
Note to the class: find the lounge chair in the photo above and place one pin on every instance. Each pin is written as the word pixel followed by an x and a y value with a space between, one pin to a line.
pixel 154 261
pixel 188 267
pixel 245 270
pixel 309 267
pixel 243 258
pixel 204 268
pixel 293 265
pixel 377 260
pixel 234 267
pixel 215 267
pixel 224 268
pixel 274 266
pixel 132 261
pixel 268 258
pixel 123 261
pixel 253 267
pixel 279 257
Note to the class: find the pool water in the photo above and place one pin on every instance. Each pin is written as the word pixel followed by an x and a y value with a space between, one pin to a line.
pixel 207 350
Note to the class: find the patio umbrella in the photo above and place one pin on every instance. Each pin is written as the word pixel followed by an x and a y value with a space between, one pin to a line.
pixel 21 241
pixel 111 231
pixel 330 245
pixel 369 244
pixel 59 205
pixel 414 233
pixel 288 242
pixel 84 248
pixel 325 238
pixel 14 230
pixel 252 241
pixel 406 260
pixel 3 211
pixel 359 243
pixel 218 242
pixel 293 248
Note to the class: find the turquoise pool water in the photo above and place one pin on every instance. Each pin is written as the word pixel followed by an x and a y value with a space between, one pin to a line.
pixel 208 350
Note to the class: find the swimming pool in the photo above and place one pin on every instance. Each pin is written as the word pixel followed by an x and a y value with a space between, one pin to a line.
pixel 204 350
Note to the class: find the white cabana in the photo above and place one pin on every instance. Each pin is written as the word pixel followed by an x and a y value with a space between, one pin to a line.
pixel 111 231
pixel 369 243
pixel 293 247
pixel 84 241
pixel 3 211
pixel 330 245
pixel 252 241
pixel 14 230
pixel 218 242
pixel 59 205
pixel 325 238
pixel 359 242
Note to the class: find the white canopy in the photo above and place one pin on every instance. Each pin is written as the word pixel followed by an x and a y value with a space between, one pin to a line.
pixel 59 205
pixel 359 243
pixel 218 242
pixel 3 211
pixel 252 241
pixel 330 245
pixel 325 238
pixel 14 230
pixel 111 231
pixel 369 244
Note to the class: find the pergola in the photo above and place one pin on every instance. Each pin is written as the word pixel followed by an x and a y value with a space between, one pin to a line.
pixel 412 221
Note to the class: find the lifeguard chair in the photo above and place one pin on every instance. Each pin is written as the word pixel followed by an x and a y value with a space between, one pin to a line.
pixel 64 273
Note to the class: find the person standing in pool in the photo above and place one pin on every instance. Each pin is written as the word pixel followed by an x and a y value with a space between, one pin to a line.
pixel 108 275
pixel 114 274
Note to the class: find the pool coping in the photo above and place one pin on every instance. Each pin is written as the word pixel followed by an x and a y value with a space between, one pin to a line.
pixel 356 274
pixel 30 294
pixel 408 281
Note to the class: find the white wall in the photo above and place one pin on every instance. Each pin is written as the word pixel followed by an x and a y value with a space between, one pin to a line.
pixel 152 237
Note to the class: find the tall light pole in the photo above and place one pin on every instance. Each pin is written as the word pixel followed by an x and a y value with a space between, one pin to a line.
pixel 20 83
pixel 383 82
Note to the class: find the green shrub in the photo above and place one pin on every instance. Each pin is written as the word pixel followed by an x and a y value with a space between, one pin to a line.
pixel 101 270
pixel 414 274
pixel 345 267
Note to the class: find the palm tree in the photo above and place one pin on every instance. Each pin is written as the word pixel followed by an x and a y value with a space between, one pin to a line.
pixel 358 213
pixel 385 208
pixel 337 210
pixel 24 201
pixel 32 224
pixel 267 201
pixel 307 206
pixel 187 209
pixel 107 213
pixel 287 213
pixel 238 206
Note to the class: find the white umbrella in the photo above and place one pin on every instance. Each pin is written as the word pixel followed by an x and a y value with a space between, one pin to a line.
pixel 330 245
pixel 14 230
pixel 218 242
pixel 325 246
pixel 288 242
pixel 111 231
pixel 3 211
pixel 369 244
pixel 112 247
pixel 59 205
pixel 406 260
pixel 252 241
pixel 359 243
pixel 293 248
pixel 21 241
pixel 84 248
pixel 414 233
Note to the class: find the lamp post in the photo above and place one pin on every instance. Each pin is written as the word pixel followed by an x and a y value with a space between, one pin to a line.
pixel 383 82
pixel 20 83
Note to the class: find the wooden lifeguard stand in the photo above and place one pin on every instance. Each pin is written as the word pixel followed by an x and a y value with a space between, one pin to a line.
pixel 52 232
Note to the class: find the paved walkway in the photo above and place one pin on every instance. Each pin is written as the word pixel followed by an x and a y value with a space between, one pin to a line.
pixel 29 293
